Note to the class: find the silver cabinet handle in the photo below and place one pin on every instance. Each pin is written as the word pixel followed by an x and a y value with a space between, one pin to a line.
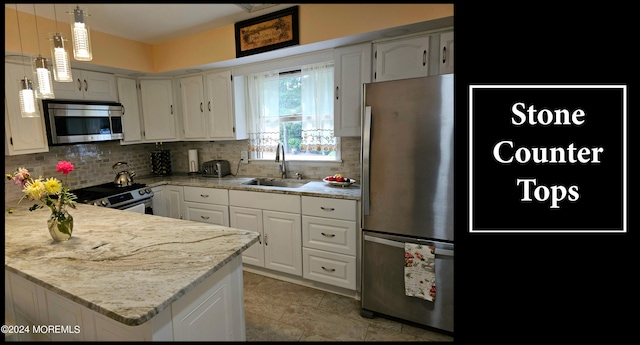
pixel 444 54
pixel 123 110
pixel 329 270
pixel 209 104
pixel 260 239
pixel 266 242
pixel 424 58
pixel 204 195
pixel 203 217
pixel 327 208
pixel 86 85
pixel 201 109
pixel 329 235
pixel 337 91
pixel 79 85
pixel 172 109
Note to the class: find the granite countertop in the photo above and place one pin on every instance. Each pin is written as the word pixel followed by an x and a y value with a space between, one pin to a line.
pixel 316 188
pixel 126 266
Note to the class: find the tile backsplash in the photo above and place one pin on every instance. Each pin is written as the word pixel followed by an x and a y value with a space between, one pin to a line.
pixel 93 162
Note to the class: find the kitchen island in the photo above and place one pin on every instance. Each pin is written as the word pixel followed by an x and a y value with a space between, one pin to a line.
pixel 124 276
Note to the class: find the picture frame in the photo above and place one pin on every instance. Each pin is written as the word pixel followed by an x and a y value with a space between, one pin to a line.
pixel 268 32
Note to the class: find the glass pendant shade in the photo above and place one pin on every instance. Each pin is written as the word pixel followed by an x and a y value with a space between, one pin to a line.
pixel 80 35
pixel 28 102
pixel 61 64
pixel 43 75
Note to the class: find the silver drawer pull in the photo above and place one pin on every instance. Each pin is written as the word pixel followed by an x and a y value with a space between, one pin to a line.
pixel 327 208
pixel 329 270
pixel 204 195
pixel 329 235
pixel 203 217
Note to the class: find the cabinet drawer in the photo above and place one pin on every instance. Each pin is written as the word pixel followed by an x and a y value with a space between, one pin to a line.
pixel 328 207
pixel 334 235
pixel 329 268
pixel 212 214
pixel 206 195
pixel 265 201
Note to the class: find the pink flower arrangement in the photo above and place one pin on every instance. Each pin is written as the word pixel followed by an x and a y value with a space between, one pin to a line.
pixel 42 189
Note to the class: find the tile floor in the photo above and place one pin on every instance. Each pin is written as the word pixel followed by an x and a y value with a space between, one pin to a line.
pixel 276 310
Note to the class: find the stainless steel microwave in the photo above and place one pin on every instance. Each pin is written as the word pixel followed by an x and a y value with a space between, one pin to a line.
pixel 71 122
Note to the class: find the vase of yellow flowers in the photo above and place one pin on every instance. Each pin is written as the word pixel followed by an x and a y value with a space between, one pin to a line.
pixel 51 193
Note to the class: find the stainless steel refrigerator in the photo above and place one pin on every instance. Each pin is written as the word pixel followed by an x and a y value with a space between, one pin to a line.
pixel 407 195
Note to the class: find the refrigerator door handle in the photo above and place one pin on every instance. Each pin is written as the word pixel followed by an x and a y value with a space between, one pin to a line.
pixel 439 251
pixel 366 145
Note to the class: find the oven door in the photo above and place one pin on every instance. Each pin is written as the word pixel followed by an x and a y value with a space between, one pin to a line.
pixel 143 207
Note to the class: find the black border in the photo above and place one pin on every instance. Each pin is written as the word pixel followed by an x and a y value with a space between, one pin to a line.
pixel 295 40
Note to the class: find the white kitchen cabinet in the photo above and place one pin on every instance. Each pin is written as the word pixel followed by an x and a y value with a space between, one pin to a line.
pixel 402 58
pixel 168 201
pixel 23 135
pixel 207 205
pixel 445 60
pixel 329 240
pixel 158 111
pixel 131 124
pixel 279 217
pixel 208 108
pixel 352 68
pixel 88 86
pixel 193 103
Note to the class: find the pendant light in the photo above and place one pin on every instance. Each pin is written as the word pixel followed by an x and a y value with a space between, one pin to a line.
pixel 80 35
pixel 43 74
pixel 28 103
pixel 59 55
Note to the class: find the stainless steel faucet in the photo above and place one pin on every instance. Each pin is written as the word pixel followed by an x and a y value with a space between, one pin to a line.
pixel 282 167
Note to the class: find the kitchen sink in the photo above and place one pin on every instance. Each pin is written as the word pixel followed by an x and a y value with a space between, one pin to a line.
pixel 267 181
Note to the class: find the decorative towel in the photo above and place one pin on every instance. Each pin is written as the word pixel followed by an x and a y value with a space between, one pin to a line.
pixel 420 271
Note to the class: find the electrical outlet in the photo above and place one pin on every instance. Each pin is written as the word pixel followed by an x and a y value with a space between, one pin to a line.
pixel 244 157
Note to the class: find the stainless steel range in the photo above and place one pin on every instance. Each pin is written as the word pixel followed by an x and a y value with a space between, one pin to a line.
pixel 136 197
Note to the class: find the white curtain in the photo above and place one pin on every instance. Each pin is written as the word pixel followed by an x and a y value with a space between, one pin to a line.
pixel 262 104
pixel 317 108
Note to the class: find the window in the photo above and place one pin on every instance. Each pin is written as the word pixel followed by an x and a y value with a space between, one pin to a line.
pixel 295 108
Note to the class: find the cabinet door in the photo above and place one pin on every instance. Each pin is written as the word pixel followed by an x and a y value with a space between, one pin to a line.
pixel 98 86
pixel 249 219
pixel 174 198
pixel 159 202
pixel 157 109
pixel 128 95
pixel 70 90
pixel 219 105
pixel 402 58
pixel 193 113
pixel 446 53
pixel 352 69
pixel 22 134
pixel 282 242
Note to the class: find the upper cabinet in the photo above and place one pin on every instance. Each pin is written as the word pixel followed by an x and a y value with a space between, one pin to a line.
pixel 131 122
pixel 445 61
pixel 352 68
pixel 402 58
pixel 158 110
pixel 208 108
pixel 22 134
pixel 88 86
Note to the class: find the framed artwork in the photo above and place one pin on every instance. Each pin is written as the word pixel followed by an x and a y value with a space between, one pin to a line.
pixel 269 32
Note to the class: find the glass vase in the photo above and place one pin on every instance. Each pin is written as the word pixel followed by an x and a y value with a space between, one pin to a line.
pixel 60 226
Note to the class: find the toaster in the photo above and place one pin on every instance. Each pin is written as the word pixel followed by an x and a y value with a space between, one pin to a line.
pixel 216 168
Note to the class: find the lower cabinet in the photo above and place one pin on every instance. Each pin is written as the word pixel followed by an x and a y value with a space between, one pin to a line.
pixel 329 240
pixel 207 205
pixel 168 201
pixel 277 218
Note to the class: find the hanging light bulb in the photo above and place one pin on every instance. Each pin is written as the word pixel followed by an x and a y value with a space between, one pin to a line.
pixel 28 102
pixel 43 75
pixel 80 35
pixel 59 55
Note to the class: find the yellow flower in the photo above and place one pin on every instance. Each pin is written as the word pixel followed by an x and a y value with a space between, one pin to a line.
pixel 35 190
pixel 53 185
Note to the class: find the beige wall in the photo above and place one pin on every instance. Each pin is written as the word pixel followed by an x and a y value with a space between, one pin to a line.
pixel 318 22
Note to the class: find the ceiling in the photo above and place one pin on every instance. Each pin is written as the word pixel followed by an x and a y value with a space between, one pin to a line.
pixel 154 23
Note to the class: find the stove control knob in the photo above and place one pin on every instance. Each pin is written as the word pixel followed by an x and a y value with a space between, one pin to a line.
pixel 103 202
pixel 148 190
pixel 141 192
pixel 95 203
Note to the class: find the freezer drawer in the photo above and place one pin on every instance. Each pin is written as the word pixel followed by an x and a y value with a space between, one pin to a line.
pixel 383 282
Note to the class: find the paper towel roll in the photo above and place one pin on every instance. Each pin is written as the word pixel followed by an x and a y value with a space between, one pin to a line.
pixel 193 161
